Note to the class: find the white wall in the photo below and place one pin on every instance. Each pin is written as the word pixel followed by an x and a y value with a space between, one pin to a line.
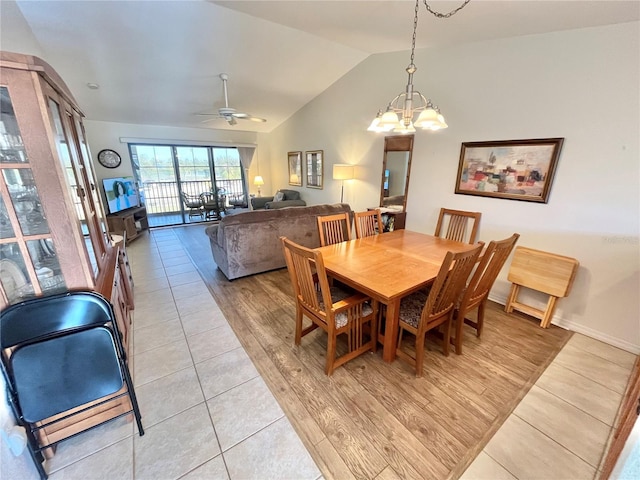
pixel 581 85
pixel 101 135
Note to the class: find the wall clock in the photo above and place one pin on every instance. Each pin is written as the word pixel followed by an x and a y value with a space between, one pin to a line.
pixel 109 158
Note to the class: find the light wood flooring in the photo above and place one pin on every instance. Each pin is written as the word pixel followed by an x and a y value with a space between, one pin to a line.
pixel 372 419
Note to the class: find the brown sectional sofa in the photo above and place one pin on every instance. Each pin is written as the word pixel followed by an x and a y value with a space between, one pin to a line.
pixel 249 242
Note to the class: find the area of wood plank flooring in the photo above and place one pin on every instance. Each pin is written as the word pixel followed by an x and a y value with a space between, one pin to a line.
pixel 373 419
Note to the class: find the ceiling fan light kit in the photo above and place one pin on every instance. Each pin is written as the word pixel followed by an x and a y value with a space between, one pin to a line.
pixel 227 113
pixel 398 116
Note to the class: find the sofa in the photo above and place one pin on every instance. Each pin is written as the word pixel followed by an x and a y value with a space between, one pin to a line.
pixel 249 242
pixel 291 198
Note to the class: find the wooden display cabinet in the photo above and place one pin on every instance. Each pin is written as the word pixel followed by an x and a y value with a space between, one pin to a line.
pixel 53 233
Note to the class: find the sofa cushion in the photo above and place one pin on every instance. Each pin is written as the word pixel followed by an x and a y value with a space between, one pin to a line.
pixel 249 242
pixel 290 194
pixel 278 197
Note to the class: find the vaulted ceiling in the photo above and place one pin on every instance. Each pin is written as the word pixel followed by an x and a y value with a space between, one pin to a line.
pixel 158 62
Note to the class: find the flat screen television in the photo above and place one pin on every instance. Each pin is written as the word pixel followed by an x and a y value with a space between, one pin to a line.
pixel 121 193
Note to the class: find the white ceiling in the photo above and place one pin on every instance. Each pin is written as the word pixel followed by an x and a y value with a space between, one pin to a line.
pixel 157 62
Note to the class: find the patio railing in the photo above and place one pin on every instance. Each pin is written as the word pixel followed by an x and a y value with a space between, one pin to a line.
pixel 163 197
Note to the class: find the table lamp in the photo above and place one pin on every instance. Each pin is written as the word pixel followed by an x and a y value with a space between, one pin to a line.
pixel 258 182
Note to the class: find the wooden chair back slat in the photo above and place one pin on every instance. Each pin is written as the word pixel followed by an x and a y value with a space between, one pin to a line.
pixel 448 285
pixel 439 305
pixel 368 223
pixel 478 288
pixel 347 315
pixel 457 223
pixel 334 228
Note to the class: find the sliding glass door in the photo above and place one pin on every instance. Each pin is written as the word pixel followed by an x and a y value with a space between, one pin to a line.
pixel 172 177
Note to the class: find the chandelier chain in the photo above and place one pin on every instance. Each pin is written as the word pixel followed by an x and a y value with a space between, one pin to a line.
pixel 415 28
pixel 445 15
pixel 434 13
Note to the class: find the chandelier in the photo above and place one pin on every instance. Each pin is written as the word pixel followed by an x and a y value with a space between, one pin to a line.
pixel 401 110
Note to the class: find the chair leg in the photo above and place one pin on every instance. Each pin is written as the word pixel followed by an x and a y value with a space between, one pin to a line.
pixel 298 325
pixel 34 450
pixel 373 326
pixel 133 398
pixel 331 354
pixel 447 337
pixel 480 318
pixel 459 323
pixel 420 339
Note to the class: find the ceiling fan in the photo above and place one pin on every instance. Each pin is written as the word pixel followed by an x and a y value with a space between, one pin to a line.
pixel 228 113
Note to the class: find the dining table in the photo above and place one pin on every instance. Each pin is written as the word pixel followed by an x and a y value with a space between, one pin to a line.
pixel 388 267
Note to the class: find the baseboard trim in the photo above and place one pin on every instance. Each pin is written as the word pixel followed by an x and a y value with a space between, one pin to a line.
pixel 576 327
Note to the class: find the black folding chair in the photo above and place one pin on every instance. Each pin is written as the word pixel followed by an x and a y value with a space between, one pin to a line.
pixel 62 356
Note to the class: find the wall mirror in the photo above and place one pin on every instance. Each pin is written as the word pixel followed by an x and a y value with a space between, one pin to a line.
pixel 396 167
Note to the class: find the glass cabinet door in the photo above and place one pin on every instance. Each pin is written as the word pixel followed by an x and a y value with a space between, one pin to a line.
pixel 76 181
pixel 29 264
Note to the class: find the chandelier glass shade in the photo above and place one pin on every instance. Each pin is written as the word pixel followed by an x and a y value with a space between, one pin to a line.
pixel 400 112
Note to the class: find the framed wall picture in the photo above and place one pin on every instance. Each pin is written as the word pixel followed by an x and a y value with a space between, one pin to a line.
pixel 512 169
pixel 295 168
pixel 315 168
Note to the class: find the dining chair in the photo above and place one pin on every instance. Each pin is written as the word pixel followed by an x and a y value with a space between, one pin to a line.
pixel 334 228
pixel 477 291
pixel 62 358
pixel 334 310
pixel 368 223
pixel 211 205
pixel 194 204
pixel 421 312
pixel 453 224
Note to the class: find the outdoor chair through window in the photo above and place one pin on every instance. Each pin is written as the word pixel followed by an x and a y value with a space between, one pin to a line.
pixel 193 204
pixel 211 206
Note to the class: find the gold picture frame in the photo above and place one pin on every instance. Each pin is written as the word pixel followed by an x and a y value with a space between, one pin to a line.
pixel 295 168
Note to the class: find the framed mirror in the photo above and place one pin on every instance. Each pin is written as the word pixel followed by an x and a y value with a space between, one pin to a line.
pixel 396 168
pixel 314 169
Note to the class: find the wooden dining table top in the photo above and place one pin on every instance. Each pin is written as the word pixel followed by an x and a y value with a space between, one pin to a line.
pixel 387 267
pixel 390 265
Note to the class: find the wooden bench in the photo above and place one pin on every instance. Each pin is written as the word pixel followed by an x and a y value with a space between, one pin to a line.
pixel 542 271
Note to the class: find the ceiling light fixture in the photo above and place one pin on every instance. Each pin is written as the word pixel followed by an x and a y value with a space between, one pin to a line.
pixel 400 111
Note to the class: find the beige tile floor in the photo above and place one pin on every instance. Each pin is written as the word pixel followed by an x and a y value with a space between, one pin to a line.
pixel 209 415
pixel 207 412
pixel 560 428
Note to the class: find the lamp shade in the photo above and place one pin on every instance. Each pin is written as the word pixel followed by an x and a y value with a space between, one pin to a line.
pixel 389 118
pixel 343 172
pixel 258 181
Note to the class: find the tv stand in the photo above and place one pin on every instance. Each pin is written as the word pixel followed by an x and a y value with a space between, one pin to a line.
pixel 133 221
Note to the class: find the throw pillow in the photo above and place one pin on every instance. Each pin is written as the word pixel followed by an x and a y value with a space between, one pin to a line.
pixel 278 197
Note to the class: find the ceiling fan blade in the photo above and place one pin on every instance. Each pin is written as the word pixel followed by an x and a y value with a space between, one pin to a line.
pixel 227 112
pixel 246 116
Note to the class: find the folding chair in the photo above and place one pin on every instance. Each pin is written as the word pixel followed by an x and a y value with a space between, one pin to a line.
pixel 65 368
